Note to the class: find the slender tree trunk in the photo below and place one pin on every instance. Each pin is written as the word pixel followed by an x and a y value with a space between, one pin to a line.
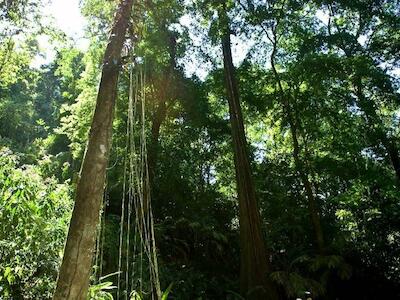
pixel 73 280
pixel 313 207
pixel 255 266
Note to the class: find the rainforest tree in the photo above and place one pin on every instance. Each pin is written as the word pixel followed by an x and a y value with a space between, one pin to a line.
pixel 265 133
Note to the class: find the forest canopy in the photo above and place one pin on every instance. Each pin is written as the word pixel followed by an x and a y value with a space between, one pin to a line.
pixel 230 149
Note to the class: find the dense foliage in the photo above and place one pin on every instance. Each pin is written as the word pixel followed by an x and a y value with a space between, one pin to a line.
pixel 319 88
pixel 34 216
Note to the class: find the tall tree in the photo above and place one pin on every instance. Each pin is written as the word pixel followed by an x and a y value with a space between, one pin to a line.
pixel 294 124
pixel 73 280
pixel 366 58
pixel 163 95
pixel 273 23
pixel 254 266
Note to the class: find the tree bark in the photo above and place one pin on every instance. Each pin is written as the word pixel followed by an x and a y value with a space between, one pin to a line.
pixel 254 266
pixel 73 280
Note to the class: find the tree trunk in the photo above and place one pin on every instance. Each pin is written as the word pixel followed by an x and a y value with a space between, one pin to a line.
pixel 255 266
pixel 160 114
pixel 73 280
pixel 313 207
pixel 158 119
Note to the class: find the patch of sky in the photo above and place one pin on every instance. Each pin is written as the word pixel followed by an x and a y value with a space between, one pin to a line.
pixel 66 17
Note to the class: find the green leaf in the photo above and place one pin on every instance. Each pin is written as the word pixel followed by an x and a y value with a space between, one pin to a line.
pixel 166 292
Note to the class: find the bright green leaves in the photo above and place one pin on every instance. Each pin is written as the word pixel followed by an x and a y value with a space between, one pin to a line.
pixel 101 291
pixel 34 214
pixel 69 70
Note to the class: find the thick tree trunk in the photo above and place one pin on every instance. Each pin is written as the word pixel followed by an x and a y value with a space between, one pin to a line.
pixel 255 266
pixel 73 280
